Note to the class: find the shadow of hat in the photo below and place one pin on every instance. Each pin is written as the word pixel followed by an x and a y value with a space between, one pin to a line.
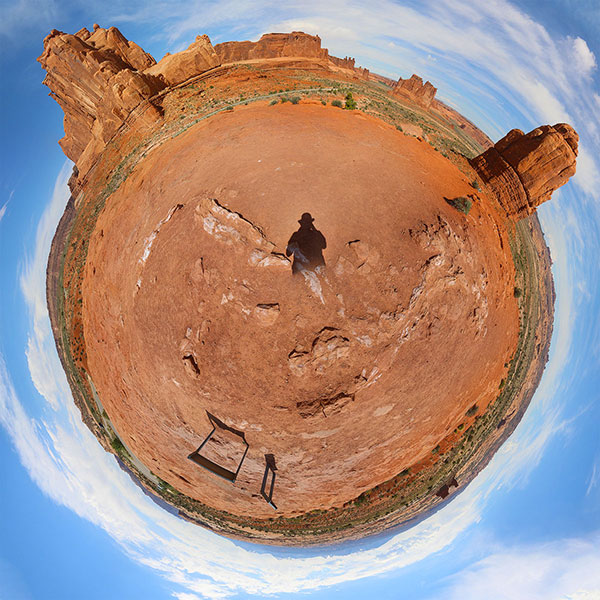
pixel 305 219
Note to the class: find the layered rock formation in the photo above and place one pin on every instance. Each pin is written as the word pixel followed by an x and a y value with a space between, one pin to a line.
pixel 273 45
pixel 522 170
pixel 415 90
pixel 97 80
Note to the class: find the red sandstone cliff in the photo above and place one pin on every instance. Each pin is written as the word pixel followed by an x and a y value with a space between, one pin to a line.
pixel 349 63
pixel 414 89
pixel 95 79
pixel 522 170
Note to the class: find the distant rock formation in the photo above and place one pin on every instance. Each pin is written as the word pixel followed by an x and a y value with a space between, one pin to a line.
pixel 522 170
pixel 445 489
pixel 349 63
pixel 296 44
pixel 415 90
pixel 97 79
pixel 273 45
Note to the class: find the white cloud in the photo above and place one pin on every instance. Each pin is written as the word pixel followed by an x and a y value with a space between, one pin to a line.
pixel 44 365
pixel 588 175
pixel 4 207
pixel 594 478
pixel 584 58
pixel 561 570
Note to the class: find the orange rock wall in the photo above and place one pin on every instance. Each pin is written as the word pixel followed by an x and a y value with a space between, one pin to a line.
pixel 99 77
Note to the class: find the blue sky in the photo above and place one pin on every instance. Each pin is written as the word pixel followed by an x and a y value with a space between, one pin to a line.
pixel 73 525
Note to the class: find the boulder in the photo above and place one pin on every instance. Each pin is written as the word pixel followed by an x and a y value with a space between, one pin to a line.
pixel 522 170
pixel 196 59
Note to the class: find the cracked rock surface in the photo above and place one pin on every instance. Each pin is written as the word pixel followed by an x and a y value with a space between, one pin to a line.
pixel 348 373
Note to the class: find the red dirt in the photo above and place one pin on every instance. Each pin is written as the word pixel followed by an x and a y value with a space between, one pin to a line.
pixel 189 308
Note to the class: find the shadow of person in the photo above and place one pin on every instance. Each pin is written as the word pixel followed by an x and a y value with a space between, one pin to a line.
pixel 307 245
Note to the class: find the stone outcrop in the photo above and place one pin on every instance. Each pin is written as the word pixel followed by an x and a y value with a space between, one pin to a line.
pixel 95 78
pixel 522 170
pixel 415 90
pixel 273 45
pixel 196 59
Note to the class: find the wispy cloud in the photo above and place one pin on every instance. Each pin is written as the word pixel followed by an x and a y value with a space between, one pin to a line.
pixel 44 365
pixel 562 570
pixel 3 211
pixel 594 478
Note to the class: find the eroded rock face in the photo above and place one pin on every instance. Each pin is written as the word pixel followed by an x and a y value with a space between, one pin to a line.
pixel 273 45
pixel 522 170
pixel 196 59
pixel 414 89
pixel 95 79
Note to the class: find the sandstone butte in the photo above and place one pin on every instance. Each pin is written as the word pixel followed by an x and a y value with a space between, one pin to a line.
pixel 308 408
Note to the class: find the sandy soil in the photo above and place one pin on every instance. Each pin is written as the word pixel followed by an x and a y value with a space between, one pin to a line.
pixel 347 375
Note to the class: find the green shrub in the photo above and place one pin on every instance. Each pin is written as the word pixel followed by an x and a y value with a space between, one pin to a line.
pixel 323 102
pixel 399 128
pixel 337 103
pixel 284 99
pixel 117 445
pixel 518 292
pixel 476 185
pixel 460 203
pixel 350 102
pixel 473 410
pixel 273 102
pixel 295 99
